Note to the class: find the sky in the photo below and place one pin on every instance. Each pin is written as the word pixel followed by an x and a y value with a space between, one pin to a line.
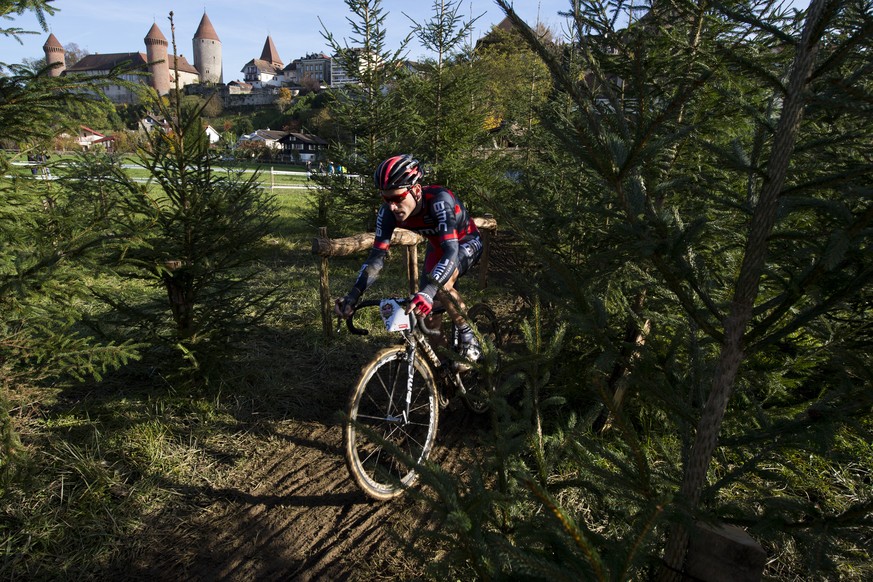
pixel 296 26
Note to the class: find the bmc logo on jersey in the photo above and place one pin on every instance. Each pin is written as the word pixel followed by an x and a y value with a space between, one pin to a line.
pixel 441 210
pixel 379 225
pixel 443 267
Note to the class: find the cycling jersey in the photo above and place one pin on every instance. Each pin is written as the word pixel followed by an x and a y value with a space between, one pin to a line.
pixel 453 240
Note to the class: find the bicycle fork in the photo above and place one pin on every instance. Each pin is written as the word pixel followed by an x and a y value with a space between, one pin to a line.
pixel 410 376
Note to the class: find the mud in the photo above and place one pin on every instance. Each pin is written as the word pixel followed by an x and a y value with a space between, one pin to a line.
pixel 299 516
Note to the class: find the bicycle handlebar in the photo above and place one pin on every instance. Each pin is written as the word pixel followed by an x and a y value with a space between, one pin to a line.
pixel 420 321
pixel 351 326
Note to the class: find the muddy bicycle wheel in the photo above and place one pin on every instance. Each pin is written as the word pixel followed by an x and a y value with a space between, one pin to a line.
pixel 389 428
pixel 477 389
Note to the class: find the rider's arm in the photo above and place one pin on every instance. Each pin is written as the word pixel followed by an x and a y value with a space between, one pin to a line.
pixel 444 208
pixel 385 224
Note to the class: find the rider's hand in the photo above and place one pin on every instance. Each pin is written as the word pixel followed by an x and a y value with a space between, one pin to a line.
pixel 344 307
pixel 421 304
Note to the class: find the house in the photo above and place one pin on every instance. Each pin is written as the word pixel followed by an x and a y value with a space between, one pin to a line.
pixel 150 122
pixel 314 70
pixel 88 137
pixel 286 146
pixel 137 63
pixel 154 68
pixel 107 142
pixel 212 135
pixel 267 70
pixel 239 88
pixel 264 137
pixel 302 147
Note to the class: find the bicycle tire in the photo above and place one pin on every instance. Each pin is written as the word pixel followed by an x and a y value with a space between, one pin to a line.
pixel 477 390
pixel 377 434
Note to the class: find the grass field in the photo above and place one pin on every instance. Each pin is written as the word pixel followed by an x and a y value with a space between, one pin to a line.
pixel 278 177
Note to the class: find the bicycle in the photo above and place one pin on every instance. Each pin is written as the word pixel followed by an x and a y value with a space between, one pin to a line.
pixel 393 410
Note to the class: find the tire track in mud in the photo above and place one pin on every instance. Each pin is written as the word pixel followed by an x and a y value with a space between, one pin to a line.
pixel 298 515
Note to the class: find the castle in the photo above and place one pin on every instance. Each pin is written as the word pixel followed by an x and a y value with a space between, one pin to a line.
pixel 161 66
pixel 262 76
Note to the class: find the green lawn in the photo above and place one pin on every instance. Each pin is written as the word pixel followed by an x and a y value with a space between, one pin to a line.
pixel 278 176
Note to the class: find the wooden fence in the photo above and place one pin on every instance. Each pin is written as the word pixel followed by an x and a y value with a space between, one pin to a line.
pixel 325 248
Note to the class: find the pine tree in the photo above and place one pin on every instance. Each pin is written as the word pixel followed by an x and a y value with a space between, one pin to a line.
pixel 443 34
pixel 370 119
pixel 719 157
pixel 51 238
pixel 446 117
pixel 195 234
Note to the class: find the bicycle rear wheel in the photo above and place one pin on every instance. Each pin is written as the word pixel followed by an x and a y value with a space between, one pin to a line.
pixel 385 434
pixel 477 389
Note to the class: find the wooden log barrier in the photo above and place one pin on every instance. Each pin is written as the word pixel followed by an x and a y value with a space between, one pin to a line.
pixel 325 247
pixel 724 553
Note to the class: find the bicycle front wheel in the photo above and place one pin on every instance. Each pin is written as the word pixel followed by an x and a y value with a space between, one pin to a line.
pixel 392 423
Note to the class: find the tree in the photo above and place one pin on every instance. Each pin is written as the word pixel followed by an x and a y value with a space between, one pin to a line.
pixel 195 234
pixel 442 34
pixel 516 83
pixel 283 102
pixel 710 203
pixel 368 121
pixel 73 53
pixel 243 126
pixel 11 8
pixel 51 234
pixel 445 123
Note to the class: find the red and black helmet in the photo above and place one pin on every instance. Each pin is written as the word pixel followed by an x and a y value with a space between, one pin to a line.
pixel 398 172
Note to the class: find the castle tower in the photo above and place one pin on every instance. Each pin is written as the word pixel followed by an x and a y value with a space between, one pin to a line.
pixel 54 54
pixel 207 52
pixel 270 54
pixel 156 50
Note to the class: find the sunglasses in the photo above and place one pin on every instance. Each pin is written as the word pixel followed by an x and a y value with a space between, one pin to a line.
pixel 396 198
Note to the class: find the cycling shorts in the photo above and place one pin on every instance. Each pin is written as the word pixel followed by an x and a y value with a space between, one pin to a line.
pixel 469 251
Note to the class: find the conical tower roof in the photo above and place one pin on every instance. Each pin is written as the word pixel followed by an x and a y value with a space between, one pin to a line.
pixel 270 54
pixel 206 30
pixel 52 42
pixel 155 34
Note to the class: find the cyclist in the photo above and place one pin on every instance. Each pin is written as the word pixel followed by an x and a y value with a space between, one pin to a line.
pixel 454 244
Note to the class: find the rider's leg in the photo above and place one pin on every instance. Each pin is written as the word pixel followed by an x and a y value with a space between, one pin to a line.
pixel 449 296
pixel 471 249
pixel 452 300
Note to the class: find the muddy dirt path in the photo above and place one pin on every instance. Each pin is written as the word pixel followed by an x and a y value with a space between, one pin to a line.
pixel 298 515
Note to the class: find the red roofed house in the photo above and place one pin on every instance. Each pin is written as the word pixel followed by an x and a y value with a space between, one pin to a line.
pixel 88 137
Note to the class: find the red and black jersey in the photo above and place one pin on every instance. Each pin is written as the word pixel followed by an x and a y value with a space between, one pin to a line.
pixel 442 219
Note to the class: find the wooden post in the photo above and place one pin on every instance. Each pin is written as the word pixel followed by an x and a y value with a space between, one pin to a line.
pixel 324 284
pixel 486 235
pixel 724 553
pixel 412 267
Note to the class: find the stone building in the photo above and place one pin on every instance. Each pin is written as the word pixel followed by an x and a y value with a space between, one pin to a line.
pixel 161 66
